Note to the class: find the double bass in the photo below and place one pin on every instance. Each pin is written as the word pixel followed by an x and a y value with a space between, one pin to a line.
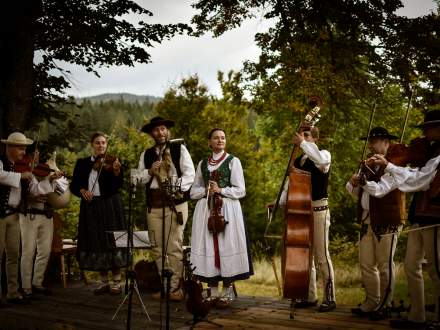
pixel 298 221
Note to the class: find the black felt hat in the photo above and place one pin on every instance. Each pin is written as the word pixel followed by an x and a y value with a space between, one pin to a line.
pixel 431 118
pixel 379 132
pixel 157 121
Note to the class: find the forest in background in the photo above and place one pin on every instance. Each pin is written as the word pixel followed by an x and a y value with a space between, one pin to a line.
pixel 356 55
pixel 263 145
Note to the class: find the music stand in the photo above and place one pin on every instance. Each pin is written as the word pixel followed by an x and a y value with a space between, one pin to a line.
pixel 126 240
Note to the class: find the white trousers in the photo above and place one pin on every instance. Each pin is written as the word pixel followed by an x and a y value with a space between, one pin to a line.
pixel 36 235
pixel 377 269
pixel 10 243
pixel 321 256
pixel 173 240
pixel 420 245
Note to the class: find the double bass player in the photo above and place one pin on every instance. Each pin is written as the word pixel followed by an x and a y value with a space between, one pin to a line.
pixel 317 163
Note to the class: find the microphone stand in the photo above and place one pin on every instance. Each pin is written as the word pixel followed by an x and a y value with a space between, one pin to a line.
pixel 130 275
pixel 170 188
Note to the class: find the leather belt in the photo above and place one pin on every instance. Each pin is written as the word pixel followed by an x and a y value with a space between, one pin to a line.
pixel 320 208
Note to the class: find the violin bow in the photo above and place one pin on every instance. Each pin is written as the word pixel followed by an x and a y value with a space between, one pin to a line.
pixel 407 114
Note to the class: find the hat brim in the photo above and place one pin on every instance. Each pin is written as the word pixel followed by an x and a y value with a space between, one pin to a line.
pixel 429 123
pixel 149 127
pixel 387 136
pixel 17 143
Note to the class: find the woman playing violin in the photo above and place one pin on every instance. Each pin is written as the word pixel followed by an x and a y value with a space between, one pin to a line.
pixel 219 253
pixel 97 183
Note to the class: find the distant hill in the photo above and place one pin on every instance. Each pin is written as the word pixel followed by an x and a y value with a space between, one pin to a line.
pixel 126 97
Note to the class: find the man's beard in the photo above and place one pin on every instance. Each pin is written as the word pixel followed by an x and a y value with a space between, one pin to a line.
pixel 161 141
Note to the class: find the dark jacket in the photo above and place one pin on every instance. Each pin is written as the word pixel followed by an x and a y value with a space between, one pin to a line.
pixel 109 184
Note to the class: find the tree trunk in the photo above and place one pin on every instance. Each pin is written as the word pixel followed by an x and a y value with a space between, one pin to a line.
pixel 17 49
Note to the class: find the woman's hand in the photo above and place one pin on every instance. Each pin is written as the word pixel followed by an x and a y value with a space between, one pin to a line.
pixel 116 167
pixel 214 188
pixel 87 195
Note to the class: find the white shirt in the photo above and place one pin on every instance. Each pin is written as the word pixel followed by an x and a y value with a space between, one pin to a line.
pixel 186 166
pixel 406 179
pixel 321 159
pixel 13 179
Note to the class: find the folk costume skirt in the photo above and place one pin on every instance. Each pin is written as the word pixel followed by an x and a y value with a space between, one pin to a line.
pixel 235 261
pixel 96 249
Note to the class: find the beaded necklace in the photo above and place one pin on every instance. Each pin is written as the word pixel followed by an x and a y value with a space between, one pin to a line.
pixel 213 162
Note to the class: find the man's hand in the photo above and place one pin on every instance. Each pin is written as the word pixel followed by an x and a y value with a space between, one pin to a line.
pixel 37 199
pixel 56 175
pixel 26 176
pixel 298 138
pixel 355 180
pixel 154 168
pixel 378 159
pixel 87 195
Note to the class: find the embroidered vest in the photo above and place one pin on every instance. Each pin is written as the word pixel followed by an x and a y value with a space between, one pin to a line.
pixel 389 212
pixel 222 175
pixel 427 208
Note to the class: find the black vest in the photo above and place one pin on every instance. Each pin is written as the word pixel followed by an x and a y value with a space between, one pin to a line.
pixel 319 179
pixel 151 156
pixel 4 189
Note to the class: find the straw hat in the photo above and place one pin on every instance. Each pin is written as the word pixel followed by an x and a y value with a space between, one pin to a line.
pixel 17 139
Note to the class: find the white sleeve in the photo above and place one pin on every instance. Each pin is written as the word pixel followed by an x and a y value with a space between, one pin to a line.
pixel 237 189
pixel 7 178
pixel 321 158
pixel 141 176
pixel 198 189
pixel 410 179
pixel 42 187
pixel 353 191
pixel 379 189
pixel 187 168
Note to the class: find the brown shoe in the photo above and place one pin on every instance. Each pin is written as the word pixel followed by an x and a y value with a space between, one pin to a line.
pixel 223 303
pixel 176 295
pixel 115 289
pixel 102 288
pixel 156 295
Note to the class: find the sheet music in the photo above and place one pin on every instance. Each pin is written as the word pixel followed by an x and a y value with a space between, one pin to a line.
pixel 140 239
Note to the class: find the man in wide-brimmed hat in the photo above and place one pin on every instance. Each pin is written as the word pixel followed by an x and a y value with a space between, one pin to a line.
pixel 377 216
pixel 160 165
pixel 10 197
pixel 424 211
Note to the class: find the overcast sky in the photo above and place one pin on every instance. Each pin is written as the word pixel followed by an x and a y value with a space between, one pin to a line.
pixel 183 56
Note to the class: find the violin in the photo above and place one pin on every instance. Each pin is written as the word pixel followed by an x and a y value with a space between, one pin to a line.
pixel 216 221
pixel 104 162
pixel 27 165
pixel 195 304
pixel 415 154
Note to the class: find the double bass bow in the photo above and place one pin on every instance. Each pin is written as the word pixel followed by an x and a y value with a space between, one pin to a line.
pixel 298 220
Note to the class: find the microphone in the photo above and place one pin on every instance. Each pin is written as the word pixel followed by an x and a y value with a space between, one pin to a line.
pixel 134 179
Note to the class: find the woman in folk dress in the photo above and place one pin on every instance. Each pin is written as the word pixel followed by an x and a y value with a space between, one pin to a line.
pixel 223 256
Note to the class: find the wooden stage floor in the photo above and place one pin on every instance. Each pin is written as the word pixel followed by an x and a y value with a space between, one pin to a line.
pixel 77 308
